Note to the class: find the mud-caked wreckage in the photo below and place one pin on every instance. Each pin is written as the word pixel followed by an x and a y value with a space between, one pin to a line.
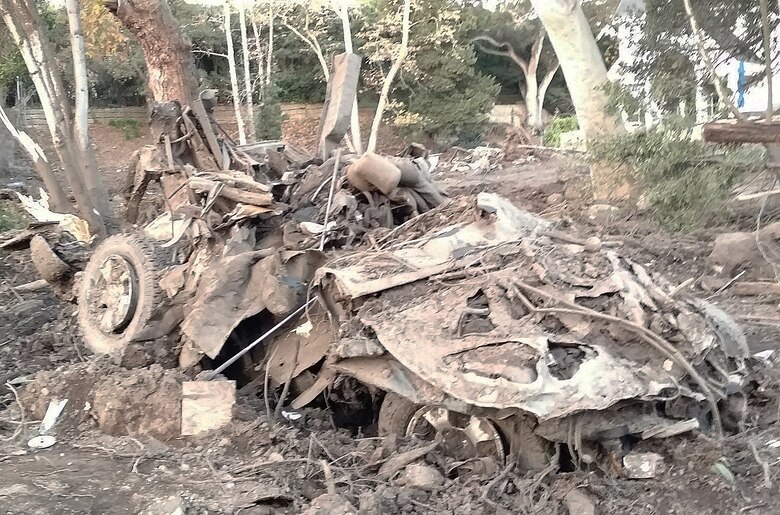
pixel 354 282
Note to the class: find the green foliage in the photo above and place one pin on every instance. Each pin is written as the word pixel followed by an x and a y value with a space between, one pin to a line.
pixel 11 217
pixel 269 116
pixel 131 129
pixel 438 93
pixel 552 134
pixel 686 182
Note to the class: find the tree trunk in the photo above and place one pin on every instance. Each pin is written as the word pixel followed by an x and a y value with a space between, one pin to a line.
pixel 399 60
pixel 89 169
pixel 234 77
pixel 531 100
pixel 168 54
pixel 258 57
pixel 343 13
pixel 249 100
pixel 269 59
pixel 582 64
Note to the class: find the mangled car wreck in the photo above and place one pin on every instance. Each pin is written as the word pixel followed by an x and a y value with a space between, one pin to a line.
pixel 354 282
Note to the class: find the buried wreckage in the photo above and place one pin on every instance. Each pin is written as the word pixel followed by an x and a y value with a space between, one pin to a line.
pixel 464 319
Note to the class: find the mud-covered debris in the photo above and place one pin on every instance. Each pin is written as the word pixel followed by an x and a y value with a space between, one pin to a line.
pixel 421 476
pixel 206 406
pixel 753 254
pixel 645 465
pixel 579 503
pixel 330 504
pixel 173 505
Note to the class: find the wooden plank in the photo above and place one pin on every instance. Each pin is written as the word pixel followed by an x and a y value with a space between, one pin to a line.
pixel 759 132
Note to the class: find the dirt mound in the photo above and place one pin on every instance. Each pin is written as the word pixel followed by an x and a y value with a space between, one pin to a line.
pixel 139 402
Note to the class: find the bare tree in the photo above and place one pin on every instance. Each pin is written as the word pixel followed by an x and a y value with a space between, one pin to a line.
pixel 234 76
pixel 403 50
pixel 534 91
pixel 248 89
pixel 581 62
pixel 23 22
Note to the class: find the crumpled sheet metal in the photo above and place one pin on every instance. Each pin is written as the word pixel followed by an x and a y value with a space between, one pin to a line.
pixel 237 287
pixel 440 252
pixel 454 364
pixel 510 363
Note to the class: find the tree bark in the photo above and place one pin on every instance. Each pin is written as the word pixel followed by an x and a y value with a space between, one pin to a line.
pixel 399 60
pixel 248 90
pixel 89 169
pixel 581 62
pixel 767 31
pixel 234 77
pixel 168 53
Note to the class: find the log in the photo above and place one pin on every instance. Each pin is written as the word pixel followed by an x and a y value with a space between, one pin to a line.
pixel 759 132
pixel 231 193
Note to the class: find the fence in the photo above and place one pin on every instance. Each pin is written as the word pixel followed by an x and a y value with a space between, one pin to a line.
pixel 224 114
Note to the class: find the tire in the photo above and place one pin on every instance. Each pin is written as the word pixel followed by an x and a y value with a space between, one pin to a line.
pixel 145 262
pixel 395 413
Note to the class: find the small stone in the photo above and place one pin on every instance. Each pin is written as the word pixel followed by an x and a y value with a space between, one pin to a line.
pixel 555 198
pixel 592 244
pixel 206 406
pixel 579 503
pixel 601 213
pixel 422 476
pixel 275 457
pixel 169 506
pixel 642 465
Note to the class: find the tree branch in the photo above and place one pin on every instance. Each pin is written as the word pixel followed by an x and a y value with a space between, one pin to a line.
pixel 402 52
pixel 314 46
pixel 509 52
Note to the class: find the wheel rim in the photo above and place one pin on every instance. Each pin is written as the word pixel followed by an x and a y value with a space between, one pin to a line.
pixel 114 289
pixel 464 437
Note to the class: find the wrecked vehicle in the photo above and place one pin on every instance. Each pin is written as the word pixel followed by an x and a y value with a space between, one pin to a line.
pixel 474 321
pixel 353 282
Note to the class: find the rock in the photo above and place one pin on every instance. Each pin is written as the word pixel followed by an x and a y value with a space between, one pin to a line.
pixel 554 199
pixel 171 506
pixel 421 476
pixel 330 504
pixel 206 406
pixel 573 140
pixel 579 503
pixel 737 251
pixel 592 244
pixel 642 465
pixel 601 213
pixel 48 264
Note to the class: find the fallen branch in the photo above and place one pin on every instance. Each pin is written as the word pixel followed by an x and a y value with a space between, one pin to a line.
pixel 393 465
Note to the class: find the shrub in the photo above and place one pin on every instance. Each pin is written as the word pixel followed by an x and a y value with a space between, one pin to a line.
pixel 552 134
pixel 131 128
pixel 269 116
pixel 11 217
pixel 687 183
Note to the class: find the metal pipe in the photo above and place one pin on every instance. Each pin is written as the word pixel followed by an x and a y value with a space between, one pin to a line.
pixel 268 333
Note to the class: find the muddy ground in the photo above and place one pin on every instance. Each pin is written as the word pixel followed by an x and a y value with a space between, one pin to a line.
pixel 102 464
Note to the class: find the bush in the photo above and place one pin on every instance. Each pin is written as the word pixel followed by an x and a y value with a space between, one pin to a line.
pixel 552 134
pixel 131 128
pixel 269 116
pixel 687 183
pixel 11 217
